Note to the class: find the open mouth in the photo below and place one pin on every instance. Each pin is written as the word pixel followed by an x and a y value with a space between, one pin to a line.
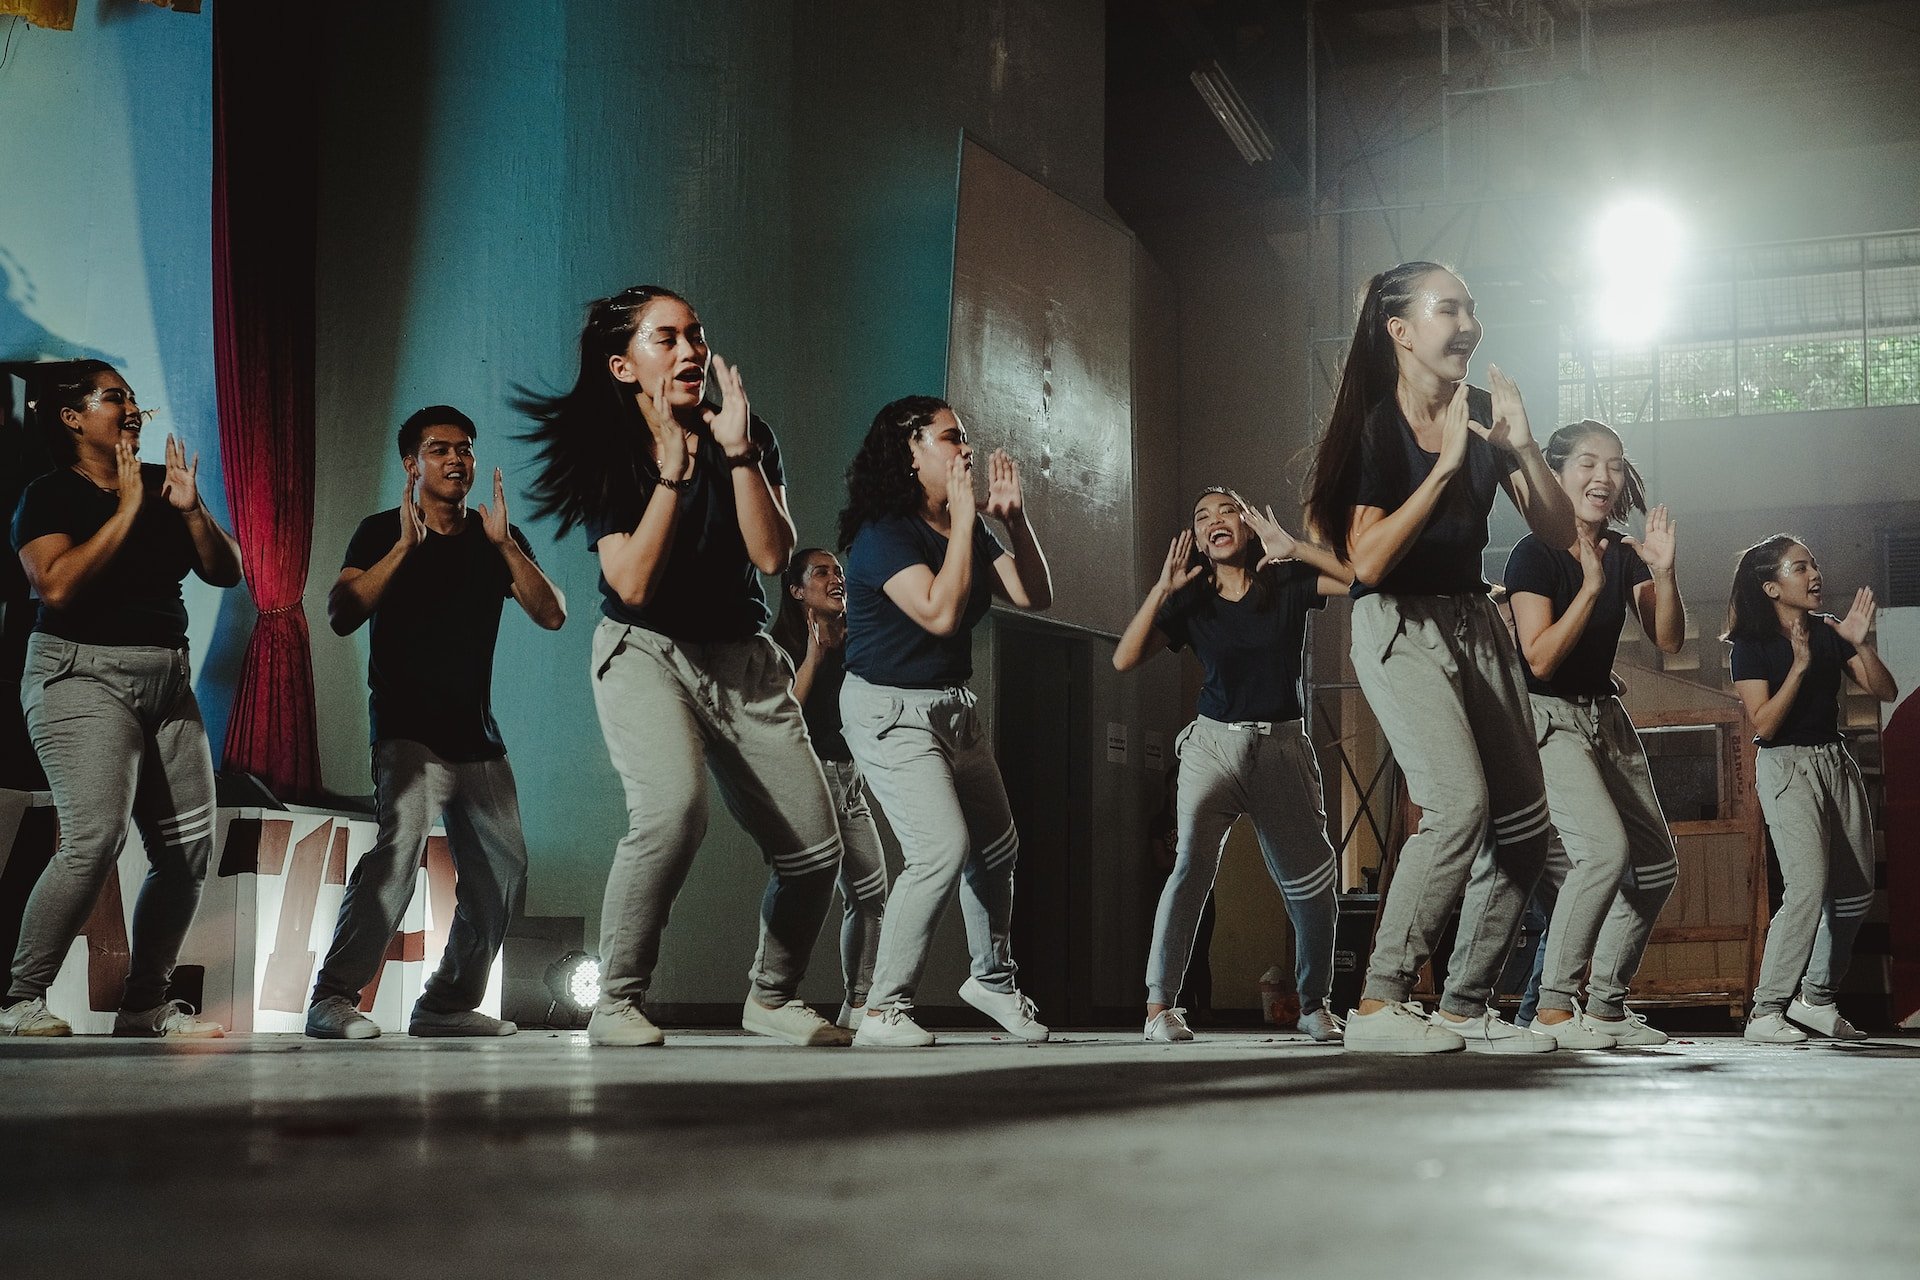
pixel 1220 538
pixel 690 378
pixel 1599 497
pixel 836 593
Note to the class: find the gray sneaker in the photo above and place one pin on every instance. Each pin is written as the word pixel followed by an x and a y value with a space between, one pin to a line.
pixel 338 1018
pixel 467 1022
pixel 173 1020
pixel 32 1018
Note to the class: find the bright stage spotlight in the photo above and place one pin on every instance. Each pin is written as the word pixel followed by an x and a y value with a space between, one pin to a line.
pixel 574 983
pixel 1636 251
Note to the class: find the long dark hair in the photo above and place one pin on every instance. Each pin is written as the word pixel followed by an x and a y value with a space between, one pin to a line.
pixel 790 623
pixel 1750 612
pixel 1370 374
pixel 65 386
pixel 880 480
pixel 593 440
pixel 1250 555
pixel 1560 447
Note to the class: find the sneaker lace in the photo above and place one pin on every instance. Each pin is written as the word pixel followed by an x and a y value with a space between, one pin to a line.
pixel 174 1011
pixel 1030 1012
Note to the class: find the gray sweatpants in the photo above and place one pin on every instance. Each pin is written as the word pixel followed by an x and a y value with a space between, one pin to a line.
pixel 670 711
pixel 1442 677
pixel 1619 866
pixel 1816 811
pixel 1268 772
pixel 118 732
pixel 414 787
pixel 933 772
pixel 863 878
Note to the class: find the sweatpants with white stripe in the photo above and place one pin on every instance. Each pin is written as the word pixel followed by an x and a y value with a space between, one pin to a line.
pixel 118 732
pixel 933 772
pixel 1619 867
pixel 863 878
pixel 671 711
pixel 1443 680
pixel 1267 772
pixel 1816 811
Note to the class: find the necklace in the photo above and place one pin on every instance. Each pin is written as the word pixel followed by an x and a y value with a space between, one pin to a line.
pixel 78 470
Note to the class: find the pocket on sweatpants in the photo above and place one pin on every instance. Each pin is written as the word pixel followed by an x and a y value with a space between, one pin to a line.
pixel 1180 743
pixel 608 643
pixel 49 661
pixel 1772 776
pixel 1542 723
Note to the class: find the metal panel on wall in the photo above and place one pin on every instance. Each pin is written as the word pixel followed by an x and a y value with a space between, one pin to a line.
pixel 1039 363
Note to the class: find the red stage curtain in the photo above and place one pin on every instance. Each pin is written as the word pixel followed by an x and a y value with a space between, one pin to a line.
pixel 265 196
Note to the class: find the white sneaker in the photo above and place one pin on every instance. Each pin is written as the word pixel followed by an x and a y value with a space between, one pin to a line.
pixel 469 1022
pixel 1010 1009
pixel 1631 1031
pixel 173 1020
pixel 850 1015
pixel 1772 1028
pixel 1490 1033
pixel 32 1018
pixel 795 1023
pixel 622 1025
pixel 1323 1025
pixel 1574 1033
pixel 1398 1028
pixel 338 1018
pixel 1169 1026
pixel 1824 1018
pixel 891 1029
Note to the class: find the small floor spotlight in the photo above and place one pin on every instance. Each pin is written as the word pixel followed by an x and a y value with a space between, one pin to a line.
pixel 574 983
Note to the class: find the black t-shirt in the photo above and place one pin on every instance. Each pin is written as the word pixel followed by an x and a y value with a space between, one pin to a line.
pixel 1814 717
pixel 884 645
pixel 135 598
pixel 430 667
pixel 822 708
pixel 1250 648
pixel 1444 559
pixel 709 589
pixel 1537 569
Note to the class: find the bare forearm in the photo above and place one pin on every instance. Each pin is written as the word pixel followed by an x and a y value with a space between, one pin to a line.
pixel 1030 564
pixel 216 553
pixel 533 590
pixel 1322 559
pixel 1669 614
pixel 633 567
pixel 947 597
pixel 805 674
pixel 1773 712
pixel 1138 641
pixel 1385 542
pixel 1873 675
pixel 1549 649
pixel 354 597
pixel 1548 510
pixel 764 527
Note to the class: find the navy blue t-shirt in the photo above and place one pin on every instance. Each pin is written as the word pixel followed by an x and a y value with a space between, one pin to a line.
pixel 1537 569
pixel 431 638
pixel 709 589
pixel 1250 648
pixel 135 597
pixel 1814 717
pixel 1444 559
pixel 884 645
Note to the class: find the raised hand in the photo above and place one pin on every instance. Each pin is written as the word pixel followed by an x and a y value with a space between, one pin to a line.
pixel 1004 499
pixel 494 519
pixel 182 487
pixel 654 407
pixel 413 521
pixel 1859 620
pixel 1509 430
pixel 1455 425
pixel 132 487
pixel 826 632
pixel 1591 553
pixel 960 500
pixel 1179 568
pixel 1656 546
pixel 1280 545
pixel 676 458
pixel 729 423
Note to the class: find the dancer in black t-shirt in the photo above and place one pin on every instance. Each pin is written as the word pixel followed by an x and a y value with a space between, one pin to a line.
pixel 1237 588
pixel 105 542
pixel 432 575
pixel 1788 660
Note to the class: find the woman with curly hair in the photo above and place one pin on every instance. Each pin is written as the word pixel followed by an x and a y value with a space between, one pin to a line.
pixel 685 505
pixel 922 569
pixel 1237 588
pixel 812 627
pixel 1788 661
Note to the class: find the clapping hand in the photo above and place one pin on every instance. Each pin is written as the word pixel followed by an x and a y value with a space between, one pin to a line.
pixel 1280 545
pixel 1859 620
pixel 494 519
pixel 1509 430
pixel 182 487
pixel 1179 568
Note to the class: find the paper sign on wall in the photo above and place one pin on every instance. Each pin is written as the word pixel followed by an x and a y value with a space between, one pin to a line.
pixel 1116 742
pixel 1153 751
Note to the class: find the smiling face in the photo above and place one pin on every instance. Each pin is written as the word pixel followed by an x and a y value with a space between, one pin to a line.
pixel 668 342
pixel 1438 332
pixel 933 447
pixel 1595 478
pixel 443 464
pixel 823 585
pixel 108 415
pixel 1218 529
pixel 1797 583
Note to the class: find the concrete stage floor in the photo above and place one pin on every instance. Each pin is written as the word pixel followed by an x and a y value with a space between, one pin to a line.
pixel 1240 1155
